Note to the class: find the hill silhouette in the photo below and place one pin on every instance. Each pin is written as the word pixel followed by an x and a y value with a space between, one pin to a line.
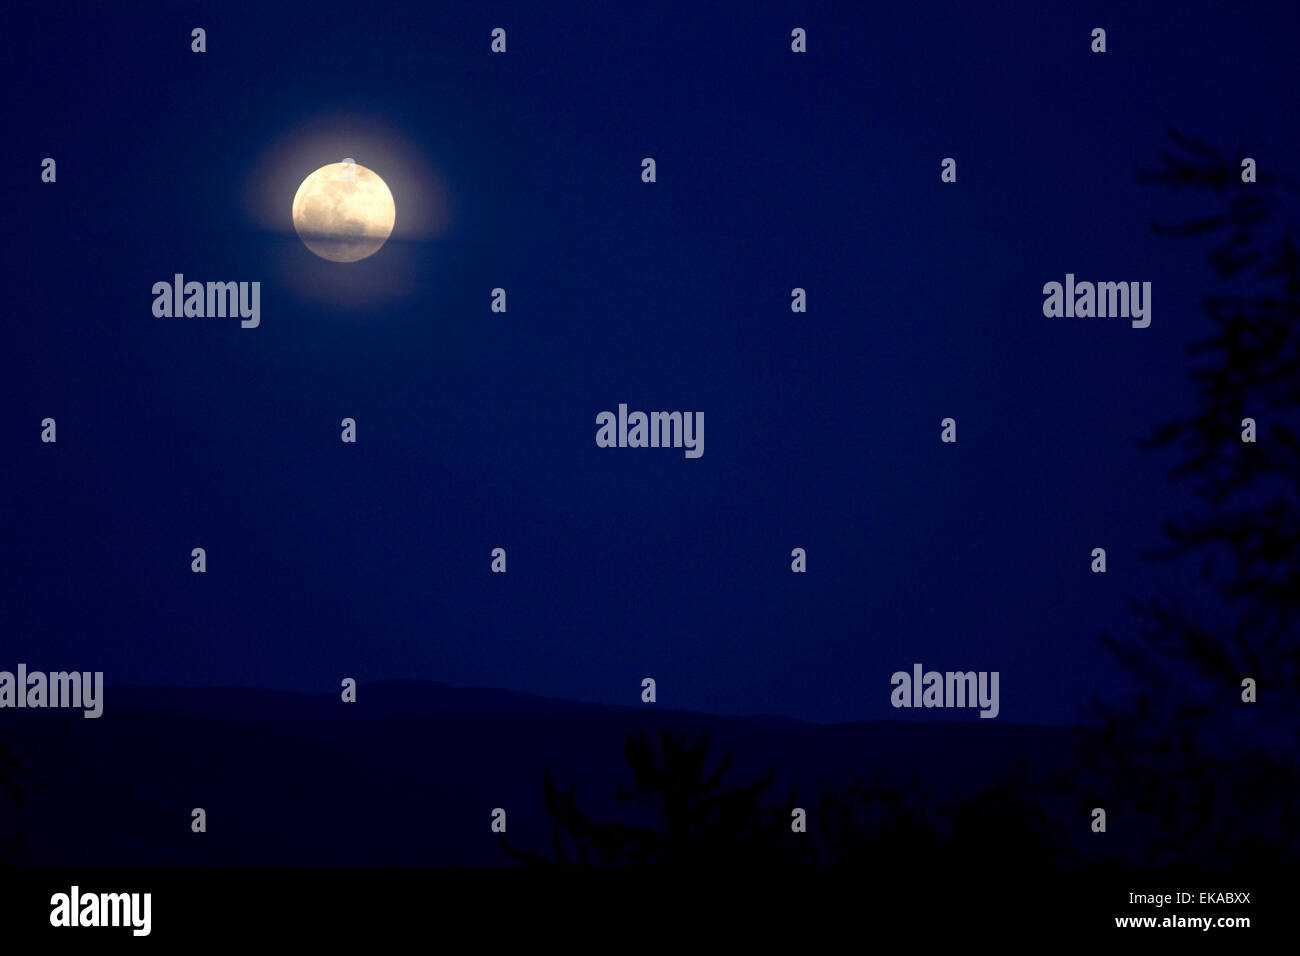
pixel 410 774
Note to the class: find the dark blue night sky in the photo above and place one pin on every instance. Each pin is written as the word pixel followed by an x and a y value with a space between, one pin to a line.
pixel 476 429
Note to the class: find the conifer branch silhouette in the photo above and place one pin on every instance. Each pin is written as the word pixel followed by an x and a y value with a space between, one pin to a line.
pixel 1215 775
pixel 699 818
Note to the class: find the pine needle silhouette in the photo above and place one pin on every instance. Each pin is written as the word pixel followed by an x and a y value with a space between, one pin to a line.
pixel 1210 778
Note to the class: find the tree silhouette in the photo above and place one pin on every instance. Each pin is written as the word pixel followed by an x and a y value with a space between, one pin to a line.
pixel 1212 778
pixel 14 781
pixel 872 822
pixel 692 816
pixel 869 822
pixel 703 819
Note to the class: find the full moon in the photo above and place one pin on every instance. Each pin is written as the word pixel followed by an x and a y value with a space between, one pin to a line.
pixel 343 212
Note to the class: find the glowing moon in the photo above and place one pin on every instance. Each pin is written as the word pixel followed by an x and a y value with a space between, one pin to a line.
pixel 343 212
